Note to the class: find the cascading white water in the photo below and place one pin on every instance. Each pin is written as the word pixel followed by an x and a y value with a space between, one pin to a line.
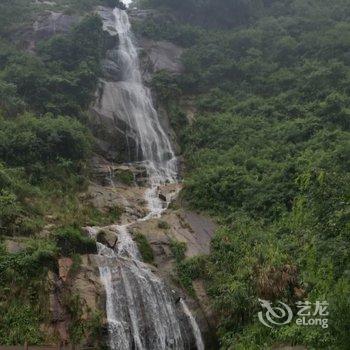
pixel 141 311
pixel 136 101
pixel 194 325
pixel 157 152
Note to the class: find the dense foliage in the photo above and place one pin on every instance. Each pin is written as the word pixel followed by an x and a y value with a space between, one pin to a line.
pixel 223 13
pixel 62 80
pixel 18 14
pixel 44 96
pixel 23 286
pixel 70 241
pixel 268 155
pixel 42 140
pixel 44 148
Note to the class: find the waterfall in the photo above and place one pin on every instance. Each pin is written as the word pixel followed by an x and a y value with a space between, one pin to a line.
pixel 156 149
pixel 142 312
pixel 194 325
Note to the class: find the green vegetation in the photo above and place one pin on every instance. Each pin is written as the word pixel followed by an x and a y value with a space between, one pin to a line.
pixel 187 269
pixel 58 138
pixel 167 28
pixel 19 14
pixel 168 93
pixel 214 13
pixel 91 216
pixel 70 241
pixel 23 291
pixel 178 250
pixel 81 328
pixel 183 266
pixel 44 149
pixel 124 176
pixel 62 79
pixel 16 215
pixel 190 269
pixel 268 156
pixel 163 225
pixel 14 13
pixel 43 144
pixel 144 247
pixel 25 285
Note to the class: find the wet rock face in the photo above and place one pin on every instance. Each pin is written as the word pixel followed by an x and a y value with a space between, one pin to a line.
pixel 107 238
pixel 85 282
pixel 64 265
pixel 46 25
pixel 109 174
pixel 196 231
pixel 51 23
pixel 111 70
pixel 162 55
pixel 115 138
pixel 142 310
pixel 159 326
pixel 157 55
pixel 107 16
pixel 142 14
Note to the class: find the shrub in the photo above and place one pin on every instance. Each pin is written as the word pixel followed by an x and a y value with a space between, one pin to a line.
pixel 29 139
pixel 17 215
pixel 20 323
pixel 34 261
pixel 96 217
pixel 62 79
pixel 10 103
pixel 165 86
pixel 70 241
pixel 12 13
pixel 43 253
pixel 163 225
pixel 191 269
pixel 178 250
pixel 124 176
pixel 10 210
pixel 144 247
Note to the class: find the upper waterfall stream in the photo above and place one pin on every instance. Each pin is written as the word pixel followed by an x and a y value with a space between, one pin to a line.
pixel 153 142
pixel 142 312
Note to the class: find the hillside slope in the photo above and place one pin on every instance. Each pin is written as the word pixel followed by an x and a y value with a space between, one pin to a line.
pixel 265 95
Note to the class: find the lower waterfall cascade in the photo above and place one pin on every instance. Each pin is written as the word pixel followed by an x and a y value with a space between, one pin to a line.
pixel 142 311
